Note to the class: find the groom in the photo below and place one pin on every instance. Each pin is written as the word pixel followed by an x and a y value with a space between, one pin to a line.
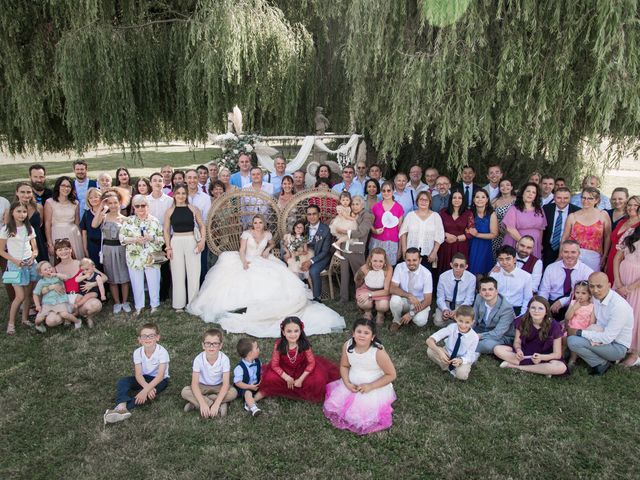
pixel 320 243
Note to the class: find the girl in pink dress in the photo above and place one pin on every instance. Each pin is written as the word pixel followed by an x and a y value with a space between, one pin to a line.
pixel 361 400
pixel 385 234
pixel 294 371
pixel 579 314
pixel 626 270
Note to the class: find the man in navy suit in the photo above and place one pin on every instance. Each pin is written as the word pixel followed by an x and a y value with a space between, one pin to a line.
pixel 320 242
pixel 556 213
pixel 466 186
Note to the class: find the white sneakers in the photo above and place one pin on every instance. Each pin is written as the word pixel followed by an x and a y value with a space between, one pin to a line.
pixel 254 411
pixel 114 416
pixel 121 307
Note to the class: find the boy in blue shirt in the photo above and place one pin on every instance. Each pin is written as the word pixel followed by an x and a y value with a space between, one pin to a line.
pixel 246 375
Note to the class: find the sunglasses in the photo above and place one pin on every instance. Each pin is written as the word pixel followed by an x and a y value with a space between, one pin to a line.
pixel 142 205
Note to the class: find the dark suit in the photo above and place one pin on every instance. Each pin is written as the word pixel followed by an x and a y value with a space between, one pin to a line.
pixel 354 260
pixel 549 255
pixel 321 246
pixel 459 187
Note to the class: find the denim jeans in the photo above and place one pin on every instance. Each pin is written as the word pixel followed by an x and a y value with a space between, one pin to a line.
pixel 128 387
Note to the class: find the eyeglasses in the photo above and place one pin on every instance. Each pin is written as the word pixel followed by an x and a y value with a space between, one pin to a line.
pixel 211 344
pixel 142 205
pixel 591 199
pixel 151 336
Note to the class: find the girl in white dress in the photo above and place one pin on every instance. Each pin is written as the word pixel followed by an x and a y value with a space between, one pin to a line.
pixel 251 291
pixel 361 400
pixel 344 220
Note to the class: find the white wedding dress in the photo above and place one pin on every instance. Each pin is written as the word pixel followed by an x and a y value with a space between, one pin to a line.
pixel 267 289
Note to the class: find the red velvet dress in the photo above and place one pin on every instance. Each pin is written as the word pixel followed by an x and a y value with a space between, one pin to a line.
pixel 321 371
pixel 454 227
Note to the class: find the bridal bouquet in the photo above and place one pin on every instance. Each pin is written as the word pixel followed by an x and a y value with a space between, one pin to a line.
pixel 295 244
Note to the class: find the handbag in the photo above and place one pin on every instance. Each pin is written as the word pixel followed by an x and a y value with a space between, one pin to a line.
pixel 156 258
pixel 14 277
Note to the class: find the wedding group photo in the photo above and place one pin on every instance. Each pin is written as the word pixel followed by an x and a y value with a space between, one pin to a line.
pixel 257 238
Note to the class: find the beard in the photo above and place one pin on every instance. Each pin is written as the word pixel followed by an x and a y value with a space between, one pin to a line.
pixel 39 186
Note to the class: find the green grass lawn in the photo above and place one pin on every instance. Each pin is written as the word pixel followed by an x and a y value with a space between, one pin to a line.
pixel 55 387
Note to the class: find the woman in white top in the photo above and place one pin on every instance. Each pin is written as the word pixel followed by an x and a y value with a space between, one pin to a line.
pixel 422 229
pixel 372 285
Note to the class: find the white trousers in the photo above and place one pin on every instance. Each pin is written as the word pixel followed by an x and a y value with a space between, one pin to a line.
pixel 153 284
pixel 400 305
pixel 184 260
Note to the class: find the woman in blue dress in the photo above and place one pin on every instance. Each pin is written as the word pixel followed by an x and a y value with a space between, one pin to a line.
pixel 92 237
pixel 485 230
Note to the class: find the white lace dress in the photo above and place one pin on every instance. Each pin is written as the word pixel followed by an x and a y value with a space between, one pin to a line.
pixel 268 290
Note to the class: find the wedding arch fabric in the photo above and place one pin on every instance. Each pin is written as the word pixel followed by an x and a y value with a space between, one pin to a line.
pixel 264 152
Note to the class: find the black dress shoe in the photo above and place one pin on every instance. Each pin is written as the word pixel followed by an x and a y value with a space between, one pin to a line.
pixel 316 299
pixel 600 369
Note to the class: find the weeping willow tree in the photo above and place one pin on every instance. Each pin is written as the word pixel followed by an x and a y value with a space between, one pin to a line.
pixel 519 82
pixel 117 71
pixel 522 81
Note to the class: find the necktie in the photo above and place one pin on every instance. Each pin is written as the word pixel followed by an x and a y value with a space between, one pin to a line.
pixel 566 288
pixel 204 189
pixel 557 232
pixel 467 196
pixel 455 295
pixel 454 352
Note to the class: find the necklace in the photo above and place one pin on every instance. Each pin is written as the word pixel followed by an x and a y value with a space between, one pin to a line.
pixel 295 356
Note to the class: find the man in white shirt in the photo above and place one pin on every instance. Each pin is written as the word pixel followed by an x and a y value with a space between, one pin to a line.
pixel 513 283
pixel 275 179
pixel 403 194
pixel 202 202
pixel 82 183
pixel 611 338
pixel 257 185
pixel 242 177
pixel 547 184
pixel 415 180
pixel 411 291
pixel 159 202
pixel 560 277
pixel 431 174
pixel 494 175
pixel 527 261
pixel 361 174
pixel 347 184
pixel 167 173
pixel 455 287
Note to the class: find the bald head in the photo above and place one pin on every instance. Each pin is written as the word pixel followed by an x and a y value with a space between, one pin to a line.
pixel 599 285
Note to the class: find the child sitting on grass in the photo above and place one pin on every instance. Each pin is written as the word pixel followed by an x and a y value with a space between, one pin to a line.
pixel 89 275
pixel 151 367
pixel 246 375
pixel 54 307
pixel 459 350
pixel 210 390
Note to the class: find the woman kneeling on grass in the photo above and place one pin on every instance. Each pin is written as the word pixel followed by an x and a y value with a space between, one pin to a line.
pixel 537 347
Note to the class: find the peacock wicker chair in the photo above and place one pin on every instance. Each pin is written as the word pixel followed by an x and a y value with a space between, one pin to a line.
pixel 232 213
pixel 295 209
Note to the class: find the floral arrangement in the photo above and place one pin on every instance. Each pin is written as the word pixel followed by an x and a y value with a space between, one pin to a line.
pixel 232 146
pixel 295 244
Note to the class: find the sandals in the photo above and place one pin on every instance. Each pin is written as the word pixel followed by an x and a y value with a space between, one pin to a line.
pixel 28 324
pixel 11 329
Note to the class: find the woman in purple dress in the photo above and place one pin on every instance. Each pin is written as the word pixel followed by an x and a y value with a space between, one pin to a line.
pixel 525 217
pixel 537 347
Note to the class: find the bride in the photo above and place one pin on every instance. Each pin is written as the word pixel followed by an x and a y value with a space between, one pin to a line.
pixel 251 291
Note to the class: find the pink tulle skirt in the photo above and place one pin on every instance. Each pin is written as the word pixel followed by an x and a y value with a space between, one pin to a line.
pixel 361 413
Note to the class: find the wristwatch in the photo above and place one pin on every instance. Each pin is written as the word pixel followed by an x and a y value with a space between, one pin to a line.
pixel 412 314
pixel 370 295
pixel 579 332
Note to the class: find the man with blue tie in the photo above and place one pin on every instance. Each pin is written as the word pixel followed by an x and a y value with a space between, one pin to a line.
pixel 556 213
pixel 320 242
pixel 466 186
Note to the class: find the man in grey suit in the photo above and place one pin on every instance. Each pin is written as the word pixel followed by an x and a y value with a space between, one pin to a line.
pixel 441 199
pixel 494 317
pixel 354 259
pixel 320 242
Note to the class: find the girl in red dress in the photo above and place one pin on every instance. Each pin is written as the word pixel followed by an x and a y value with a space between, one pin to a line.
pixel 294 371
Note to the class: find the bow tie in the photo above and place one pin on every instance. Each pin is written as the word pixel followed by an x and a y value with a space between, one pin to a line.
pixel 519 260
pixel 254 364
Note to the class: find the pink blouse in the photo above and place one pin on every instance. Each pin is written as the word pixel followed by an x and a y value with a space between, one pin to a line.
pixel 389 234
pixel 588 236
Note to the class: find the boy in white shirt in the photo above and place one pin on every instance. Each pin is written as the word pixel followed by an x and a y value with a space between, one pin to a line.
pixel 514 284
pixel 246 375
pixel 455 287
pixel 210 390
pixel 151 366
pixel 459 350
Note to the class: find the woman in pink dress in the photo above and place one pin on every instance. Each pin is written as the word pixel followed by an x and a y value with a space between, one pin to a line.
pixel 591 228
pixel 624 227
pixel 626 270
pixel 62 217
pixel 525 217
pixel 456 220
pixel 387 237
